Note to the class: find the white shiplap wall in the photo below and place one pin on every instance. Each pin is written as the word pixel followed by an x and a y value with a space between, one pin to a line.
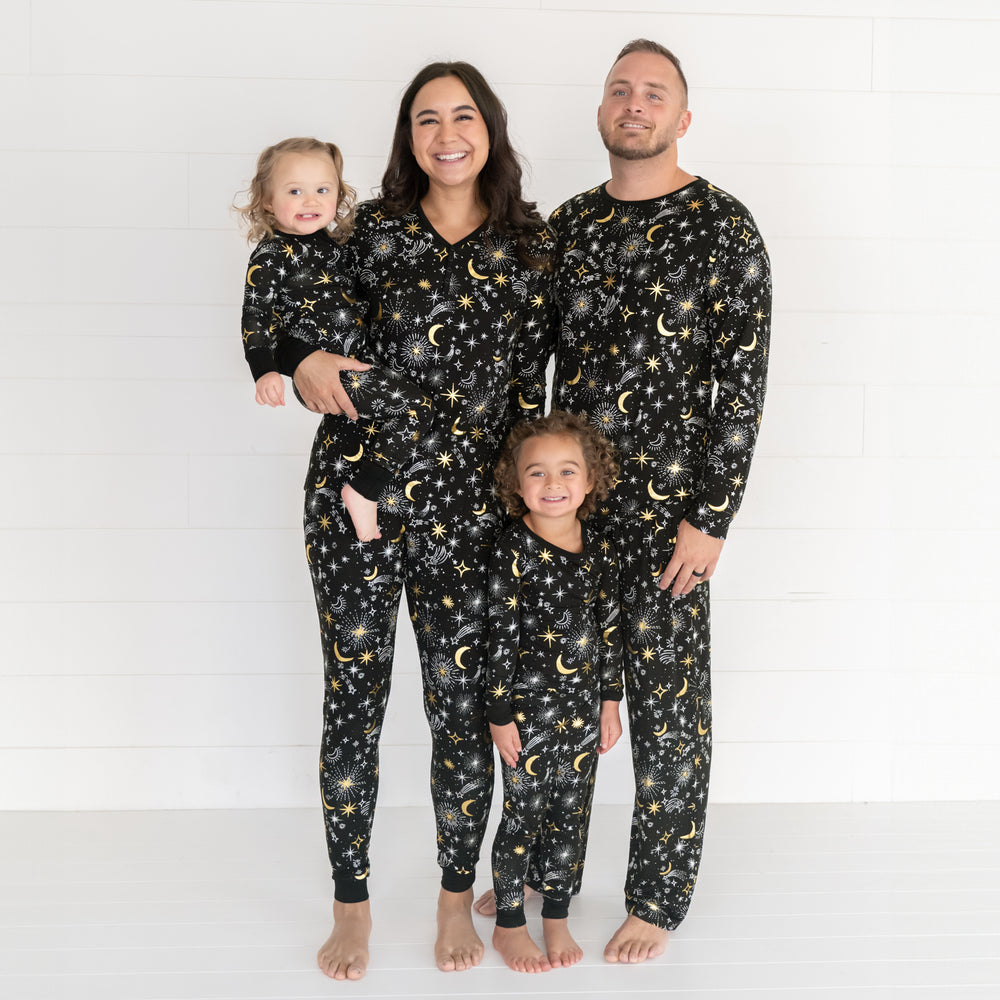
pixel 158 643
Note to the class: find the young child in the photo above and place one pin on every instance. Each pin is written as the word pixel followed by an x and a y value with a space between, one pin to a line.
pixel 300 212
pixel 554 675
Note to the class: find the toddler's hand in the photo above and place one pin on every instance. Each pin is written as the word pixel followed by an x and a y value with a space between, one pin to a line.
pixel 271 390
pixel 611 726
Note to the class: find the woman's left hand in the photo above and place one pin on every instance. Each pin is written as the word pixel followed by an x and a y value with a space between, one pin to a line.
pixel 318 380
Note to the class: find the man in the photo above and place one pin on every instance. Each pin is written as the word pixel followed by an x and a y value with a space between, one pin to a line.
pixel 664 290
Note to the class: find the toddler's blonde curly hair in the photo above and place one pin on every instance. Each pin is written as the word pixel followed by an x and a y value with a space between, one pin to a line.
pixel 260 223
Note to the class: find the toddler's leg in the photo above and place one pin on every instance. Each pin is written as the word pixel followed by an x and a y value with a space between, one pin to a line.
pixel 364 513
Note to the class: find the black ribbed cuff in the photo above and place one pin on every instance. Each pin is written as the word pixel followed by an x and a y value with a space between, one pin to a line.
pixel 348 889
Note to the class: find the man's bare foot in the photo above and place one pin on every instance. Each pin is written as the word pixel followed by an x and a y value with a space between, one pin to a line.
pixel 458 946
pixel 562 950
pixel 345 953
pixel 518 951
pixel 486 905
pixel 635 941
pixel 364 513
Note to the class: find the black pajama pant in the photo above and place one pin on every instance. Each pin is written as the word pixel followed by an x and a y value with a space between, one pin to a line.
pixel 441 563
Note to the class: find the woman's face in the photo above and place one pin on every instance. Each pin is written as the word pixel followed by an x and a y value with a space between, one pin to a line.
pixel 448 136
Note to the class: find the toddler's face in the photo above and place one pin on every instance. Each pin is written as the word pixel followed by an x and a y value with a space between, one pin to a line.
pixel 553 476
pixel 303 196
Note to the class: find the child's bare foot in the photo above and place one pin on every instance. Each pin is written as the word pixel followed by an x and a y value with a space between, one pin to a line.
pixel 364 513
pixel 345 953
pixel 562 950
pixel 486 905
pixel 518 951
pixel 635 941
pixel 458 946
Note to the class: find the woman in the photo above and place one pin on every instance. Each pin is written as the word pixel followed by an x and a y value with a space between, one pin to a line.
pixel 452 282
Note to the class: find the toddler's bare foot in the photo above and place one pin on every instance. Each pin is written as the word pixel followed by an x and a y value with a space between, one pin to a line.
pixel 458 946
pixel 345 953
pixel 364 513
pixel 486 905
pixel 518 951
pixel 562 949
pixel 635 941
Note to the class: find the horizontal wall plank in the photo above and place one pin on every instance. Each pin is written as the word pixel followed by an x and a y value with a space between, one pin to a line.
pixel 150 266
pixel 934 635
pixel 180 40
pixel 890 494
pixel 883 276
pixel 93 491
pixel 109 565
pixel 960 9
pixel 285 777
pixel 116 184
pixel 962 55
pixel 152 417
pixel 812 420
pixel 171 637
pixel 168 566
pixel 815 348
pixel 186 710
pixel 911 421
pixel 872 565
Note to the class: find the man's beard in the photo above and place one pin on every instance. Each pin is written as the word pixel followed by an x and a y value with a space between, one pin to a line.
pixel 624 152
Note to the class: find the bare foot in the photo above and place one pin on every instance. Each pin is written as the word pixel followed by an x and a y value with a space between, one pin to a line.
pixel 345 953
pixel 635 941
pixel 563 951
pixel 458 946
pixel 364 513
pixel 486 905
pixel 518 951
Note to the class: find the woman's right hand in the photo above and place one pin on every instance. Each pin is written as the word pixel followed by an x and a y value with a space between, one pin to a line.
pixel 318 380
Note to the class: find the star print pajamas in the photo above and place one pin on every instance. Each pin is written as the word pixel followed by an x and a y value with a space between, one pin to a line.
pixel 554 655
pixel 470 326
pixel 299 281
pixel 665 311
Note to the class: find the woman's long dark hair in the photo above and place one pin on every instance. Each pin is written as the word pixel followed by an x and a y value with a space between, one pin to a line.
pixel 404 183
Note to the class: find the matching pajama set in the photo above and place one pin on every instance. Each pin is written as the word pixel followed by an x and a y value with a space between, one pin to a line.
pixel 555 654
pixel 471 327
pixel 665 310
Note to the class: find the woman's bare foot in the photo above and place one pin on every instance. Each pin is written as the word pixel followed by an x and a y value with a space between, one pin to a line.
pixel 635 941
pixel 562 950
pixel 486 905
pixel 518 951
pixel 364 513
pixel 458 946
pixel 345 953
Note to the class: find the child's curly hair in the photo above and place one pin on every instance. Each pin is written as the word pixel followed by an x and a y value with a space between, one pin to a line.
pixel 598 453
pixel 259 223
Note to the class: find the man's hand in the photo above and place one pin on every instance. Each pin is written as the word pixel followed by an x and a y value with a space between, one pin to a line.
pixel 695 557
pixel 318 380
pixel 508 742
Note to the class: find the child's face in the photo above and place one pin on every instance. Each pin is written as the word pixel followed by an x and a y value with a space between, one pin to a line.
pixel 553 477
pixel 303 195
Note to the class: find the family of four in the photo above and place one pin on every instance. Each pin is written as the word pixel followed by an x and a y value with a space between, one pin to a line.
pixel 554 564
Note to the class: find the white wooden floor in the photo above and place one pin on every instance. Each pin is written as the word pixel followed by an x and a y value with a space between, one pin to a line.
pixel 878 901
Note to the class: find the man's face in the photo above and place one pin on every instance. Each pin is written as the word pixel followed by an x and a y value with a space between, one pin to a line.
pixel 643 111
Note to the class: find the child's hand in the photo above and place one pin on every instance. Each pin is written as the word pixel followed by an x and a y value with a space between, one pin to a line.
pixel 508 741
pixel 271 390
pixel 611 726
